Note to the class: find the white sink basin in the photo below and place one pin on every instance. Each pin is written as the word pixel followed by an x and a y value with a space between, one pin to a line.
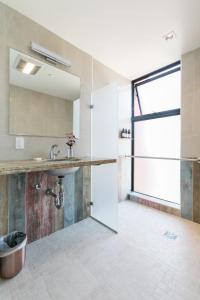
pixel 61 172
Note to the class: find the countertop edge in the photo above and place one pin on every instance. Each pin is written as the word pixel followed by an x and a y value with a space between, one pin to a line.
pixel 45 166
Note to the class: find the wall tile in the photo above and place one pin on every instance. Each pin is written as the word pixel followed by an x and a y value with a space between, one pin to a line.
pixel 190 90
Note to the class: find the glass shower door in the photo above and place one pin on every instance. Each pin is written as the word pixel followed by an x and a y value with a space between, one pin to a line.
pixel 105 145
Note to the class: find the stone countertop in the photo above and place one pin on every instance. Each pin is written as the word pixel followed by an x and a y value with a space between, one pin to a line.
pixel 26 166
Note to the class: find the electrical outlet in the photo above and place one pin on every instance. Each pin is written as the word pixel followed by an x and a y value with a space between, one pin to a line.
pixel 19 142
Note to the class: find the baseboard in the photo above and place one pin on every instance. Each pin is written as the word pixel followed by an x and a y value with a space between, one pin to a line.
pixel 161 205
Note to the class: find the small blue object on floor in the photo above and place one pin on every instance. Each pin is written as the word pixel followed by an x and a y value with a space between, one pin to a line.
pixel 170 235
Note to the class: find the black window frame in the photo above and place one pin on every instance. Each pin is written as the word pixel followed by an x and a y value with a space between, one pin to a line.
pixel 159 73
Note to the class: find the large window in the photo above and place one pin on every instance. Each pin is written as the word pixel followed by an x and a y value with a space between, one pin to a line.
pixel 156 134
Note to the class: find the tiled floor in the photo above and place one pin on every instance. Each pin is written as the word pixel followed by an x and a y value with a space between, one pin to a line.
pixel 87 261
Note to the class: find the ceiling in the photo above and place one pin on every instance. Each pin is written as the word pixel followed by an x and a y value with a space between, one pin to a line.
pixel 124 35
pixel 48 80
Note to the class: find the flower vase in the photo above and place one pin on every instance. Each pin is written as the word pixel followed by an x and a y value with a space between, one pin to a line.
pixel 70 152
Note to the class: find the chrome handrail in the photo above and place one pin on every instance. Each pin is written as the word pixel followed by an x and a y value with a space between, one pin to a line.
pixel 195 159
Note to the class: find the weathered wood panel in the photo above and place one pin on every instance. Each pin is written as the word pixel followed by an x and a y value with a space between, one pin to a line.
pixel 86 191
pixel 46 205
pixel 186 190
pixel 39 207
pixel 69 200
pixel 30 210
pixel 78 191
pixel 196 192
pixel 58 220
pixel 16 201
pixel 160 206
pixel 77 196
pixel 58 214
pixel 33 208
pixel 3 205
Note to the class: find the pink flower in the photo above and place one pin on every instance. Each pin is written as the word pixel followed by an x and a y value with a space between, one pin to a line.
pixel 71 139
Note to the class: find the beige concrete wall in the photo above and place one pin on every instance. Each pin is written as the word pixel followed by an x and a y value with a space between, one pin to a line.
pixel 190 106
pixel 31 113
pixel 102 76
pixel 17 31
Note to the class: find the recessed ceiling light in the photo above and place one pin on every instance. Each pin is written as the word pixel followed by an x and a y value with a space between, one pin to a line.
pixel 169 36
pixel 26 67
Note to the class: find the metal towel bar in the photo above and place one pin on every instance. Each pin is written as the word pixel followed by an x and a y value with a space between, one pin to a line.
pixel 195 159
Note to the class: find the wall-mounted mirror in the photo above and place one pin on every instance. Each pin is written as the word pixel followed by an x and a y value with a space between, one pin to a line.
pixel 44 100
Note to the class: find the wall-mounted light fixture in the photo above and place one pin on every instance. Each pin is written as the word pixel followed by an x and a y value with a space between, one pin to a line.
pixel 49 55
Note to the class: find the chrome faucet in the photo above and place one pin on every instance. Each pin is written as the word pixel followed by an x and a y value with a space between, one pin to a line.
pixel 54 151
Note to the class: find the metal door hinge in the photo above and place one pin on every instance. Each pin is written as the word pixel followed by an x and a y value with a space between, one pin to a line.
pixel 91 106
pixel 91 203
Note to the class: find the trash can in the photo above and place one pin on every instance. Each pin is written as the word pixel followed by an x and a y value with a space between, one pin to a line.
pixel 12 254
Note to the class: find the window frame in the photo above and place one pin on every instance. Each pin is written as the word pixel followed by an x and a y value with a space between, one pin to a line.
pixel 167 70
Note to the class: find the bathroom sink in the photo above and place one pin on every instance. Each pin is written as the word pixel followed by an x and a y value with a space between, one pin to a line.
pixel 63 171
pixel 65 159
pixel 40 159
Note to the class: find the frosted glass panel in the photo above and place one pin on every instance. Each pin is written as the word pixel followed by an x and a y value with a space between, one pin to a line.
pixel 105 195
pixel 157 178
pixel 160 95
pixel 76 118
pixel 158 137
pixel 105 144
